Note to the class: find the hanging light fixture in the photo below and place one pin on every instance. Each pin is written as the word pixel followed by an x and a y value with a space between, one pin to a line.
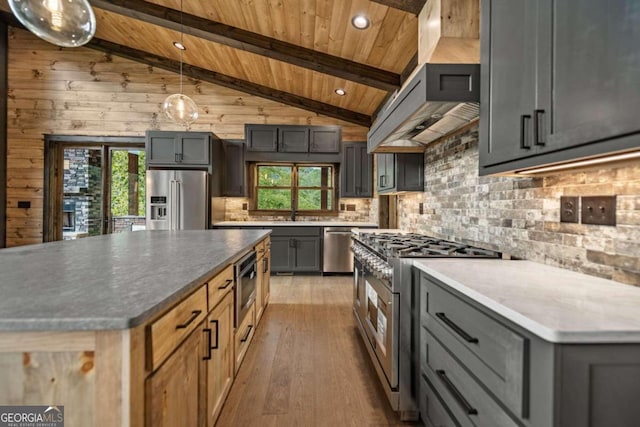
pixel 66 23
pixel 179 107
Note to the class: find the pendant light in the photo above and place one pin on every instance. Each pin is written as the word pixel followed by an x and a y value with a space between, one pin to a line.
pixel 66 23
pixel 179 107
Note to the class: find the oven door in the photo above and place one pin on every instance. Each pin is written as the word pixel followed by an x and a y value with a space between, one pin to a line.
pixel 381 324
pixel 359 290
pixel 246 279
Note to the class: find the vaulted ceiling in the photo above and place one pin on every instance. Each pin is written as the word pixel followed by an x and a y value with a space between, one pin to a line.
pixel 293 51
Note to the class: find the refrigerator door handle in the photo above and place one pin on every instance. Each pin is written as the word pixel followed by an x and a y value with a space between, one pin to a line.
pixel 178 205
pixel 173 184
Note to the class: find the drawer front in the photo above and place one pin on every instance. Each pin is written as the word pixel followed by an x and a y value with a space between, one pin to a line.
pixel 494 353
pixel 166 333
pixel 260 248
pixel 219 286
pixel 244 334
pixel 432 410
pixel 468 401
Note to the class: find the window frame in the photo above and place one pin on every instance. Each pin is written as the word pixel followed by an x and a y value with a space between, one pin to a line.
pixel 294 190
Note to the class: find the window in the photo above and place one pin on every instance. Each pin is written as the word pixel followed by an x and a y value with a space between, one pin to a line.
pixel 304 188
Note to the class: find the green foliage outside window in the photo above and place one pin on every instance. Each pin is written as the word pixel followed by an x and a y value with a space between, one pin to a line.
pixel 120 183
pixel 277 188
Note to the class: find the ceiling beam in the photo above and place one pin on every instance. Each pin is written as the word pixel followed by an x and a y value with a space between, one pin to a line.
pixel 238 38
pixel 411 6
pixel 251 88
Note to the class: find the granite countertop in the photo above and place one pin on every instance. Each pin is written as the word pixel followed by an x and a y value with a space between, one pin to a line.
pixel 558 305
pixel 114 281
pixel 295 224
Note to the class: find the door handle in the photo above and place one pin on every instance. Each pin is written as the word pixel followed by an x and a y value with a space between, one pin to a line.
pixel 246 336
pixel 292 243
pixel 194 316
pixel 524 140
pixel 538 137
pixel 470 410
pixel 208 332
pixel 178 203
pixel 457 329
pixel 226 284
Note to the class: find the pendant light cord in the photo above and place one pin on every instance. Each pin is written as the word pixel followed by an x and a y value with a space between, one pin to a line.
pixel 182 43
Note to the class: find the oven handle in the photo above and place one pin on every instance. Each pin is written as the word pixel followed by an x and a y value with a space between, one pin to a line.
pixel 457 329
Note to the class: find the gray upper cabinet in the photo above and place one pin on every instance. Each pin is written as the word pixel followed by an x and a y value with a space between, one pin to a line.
pixel 178 148
pixel 293 139
pixel 558 81
pixel 356 170
pixel 400 172
pixel 262 138
pixel 235 171
pixel 325 139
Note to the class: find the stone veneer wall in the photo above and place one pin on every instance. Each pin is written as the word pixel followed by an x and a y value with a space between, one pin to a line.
pixel 521 216
pixel 234 212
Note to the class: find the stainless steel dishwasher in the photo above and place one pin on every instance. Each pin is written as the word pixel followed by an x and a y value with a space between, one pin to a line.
pixel 337 256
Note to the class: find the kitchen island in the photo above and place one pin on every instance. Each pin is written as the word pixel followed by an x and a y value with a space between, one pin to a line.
pixel 112 326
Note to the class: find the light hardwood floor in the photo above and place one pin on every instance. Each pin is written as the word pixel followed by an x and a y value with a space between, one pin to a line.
pixel 307 365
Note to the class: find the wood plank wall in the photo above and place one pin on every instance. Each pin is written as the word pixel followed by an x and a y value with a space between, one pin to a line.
pixel 84 92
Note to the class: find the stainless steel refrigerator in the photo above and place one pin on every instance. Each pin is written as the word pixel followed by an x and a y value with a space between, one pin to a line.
pixel 177 200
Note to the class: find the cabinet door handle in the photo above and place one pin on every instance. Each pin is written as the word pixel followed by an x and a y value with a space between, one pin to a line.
pixel 214 346
pixel 538 137
pixel 226 284
pixel 194 315
pixel 246 335
pixel 175 157
pixel 470 410
pixel 266 265
pixel 208 332
pixel 292 243
pixel 524 140
pixel 457 329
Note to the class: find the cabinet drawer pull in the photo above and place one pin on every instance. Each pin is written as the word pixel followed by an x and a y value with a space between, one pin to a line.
pixel 208 332
pixel 194 315
pixel 457 329
pixel 226 284
pixel 538 137
pixel 470 410
pixel 246 335
pixel 266 265
pixel 524 140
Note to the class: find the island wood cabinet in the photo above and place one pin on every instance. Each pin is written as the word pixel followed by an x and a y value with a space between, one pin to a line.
pixel 178 149
pixel 262 287
pixel 398 172
pixel 293 139
pixel 557 82
pixel 477 368
pixel 356 170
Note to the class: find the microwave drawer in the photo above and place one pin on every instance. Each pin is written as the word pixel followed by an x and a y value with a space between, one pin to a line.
pixel 496 355
pixel 468 401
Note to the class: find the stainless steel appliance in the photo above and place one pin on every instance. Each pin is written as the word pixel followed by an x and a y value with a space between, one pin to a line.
pixel 385 304
pixel 246 272
pixel 336 250
pixel 177 199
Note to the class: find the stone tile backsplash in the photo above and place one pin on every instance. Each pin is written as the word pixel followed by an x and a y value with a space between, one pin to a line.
pixel 521 216
pixel 234 211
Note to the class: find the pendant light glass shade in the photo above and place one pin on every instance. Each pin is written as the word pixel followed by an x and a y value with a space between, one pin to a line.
pixel 181 109
pixel 66 23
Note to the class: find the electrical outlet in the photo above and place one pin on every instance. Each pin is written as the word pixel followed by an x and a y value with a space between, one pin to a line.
pixel 341 206
pixel 22 204
pixel 599 210
pixel 245 206
pixel 569 209
pixel 421 208
pixel 351 208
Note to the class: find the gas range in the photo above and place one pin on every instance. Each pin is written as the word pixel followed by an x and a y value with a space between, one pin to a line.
pixel 385 298
pixel 413 245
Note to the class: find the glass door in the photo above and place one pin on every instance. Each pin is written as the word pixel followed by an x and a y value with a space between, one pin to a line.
pixel 127 182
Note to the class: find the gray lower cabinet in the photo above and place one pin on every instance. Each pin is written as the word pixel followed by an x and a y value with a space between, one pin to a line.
pixel 477 368
pixel 296 249
pixel 356 170
pixel 558 81
pixel 234 169
pixel 166 148
pixel 399 172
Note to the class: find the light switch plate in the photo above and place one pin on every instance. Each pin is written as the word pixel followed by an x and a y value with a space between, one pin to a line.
pixel 569 209
pixel 599 210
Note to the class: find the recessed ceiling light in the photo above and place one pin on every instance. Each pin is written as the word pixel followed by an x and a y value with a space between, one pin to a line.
pixel 361 22
pixel 340 92
pixel 179 45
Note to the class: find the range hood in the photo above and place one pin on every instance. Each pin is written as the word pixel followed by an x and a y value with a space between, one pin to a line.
pixel 438 100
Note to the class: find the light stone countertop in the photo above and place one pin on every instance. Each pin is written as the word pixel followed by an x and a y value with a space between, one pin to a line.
pixel 294 224
pixel 558 305
pixel 114 281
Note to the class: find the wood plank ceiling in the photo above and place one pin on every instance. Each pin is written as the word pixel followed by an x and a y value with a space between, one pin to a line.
pixel 292 51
